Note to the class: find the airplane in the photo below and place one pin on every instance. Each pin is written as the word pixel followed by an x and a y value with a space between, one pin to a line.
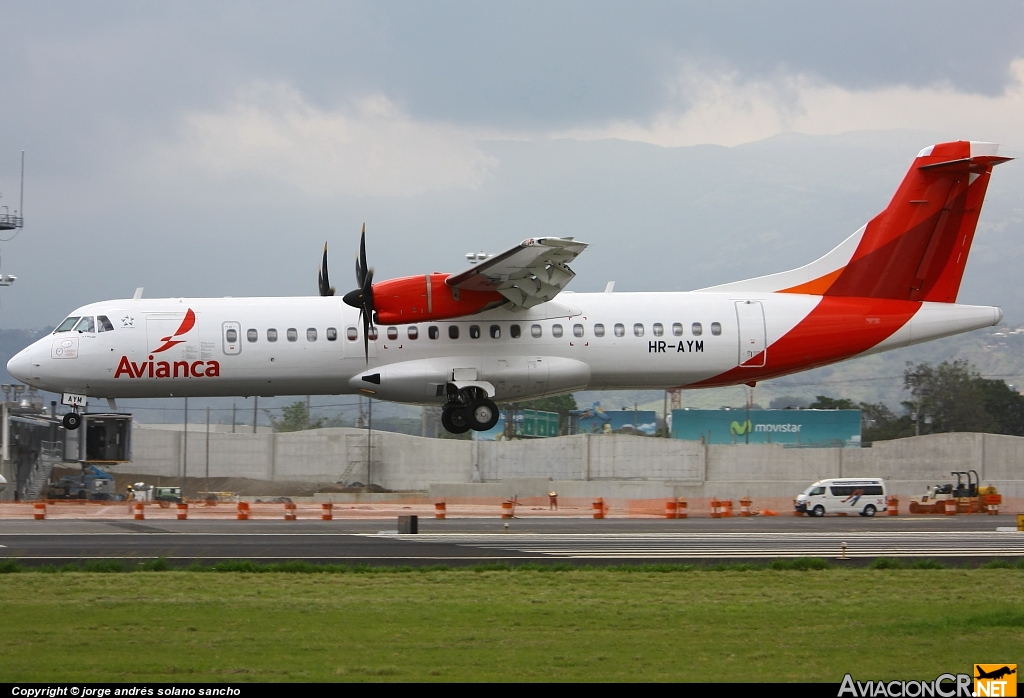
pixel 505 330
pixel 994 674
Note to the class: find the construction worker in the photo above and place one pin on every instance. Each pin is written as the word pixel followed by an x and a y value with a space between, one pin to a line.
pixel 552 501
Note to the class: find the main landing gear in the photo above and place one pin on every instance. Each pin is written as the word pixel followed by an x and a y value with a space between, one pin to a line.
pixel 467 409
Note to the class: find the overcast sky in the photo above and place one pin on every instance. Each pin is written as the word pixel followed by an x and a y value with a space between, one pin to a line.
pixel 210 148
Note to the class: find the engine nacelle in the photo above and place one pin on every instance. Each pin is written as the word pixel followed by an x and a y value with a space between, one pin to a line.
pixel 425 381
pixel 427 297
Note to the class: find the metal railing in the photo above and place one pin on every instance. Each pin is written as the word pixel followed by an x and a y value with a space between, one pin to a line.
pixel 51 450
pixel 9 221
pixel 38 479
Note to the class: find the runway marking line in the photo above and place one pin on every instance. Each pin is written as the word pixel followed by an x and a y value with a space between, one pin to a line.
pixel 531 534
pixel 289 558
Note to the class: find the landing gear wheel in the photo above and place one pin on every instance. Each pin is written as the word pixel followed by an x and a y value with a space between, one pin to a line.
pixel 455 419
pixel 483 414
pixel 818 511
pixel 72 420
pixel 869 510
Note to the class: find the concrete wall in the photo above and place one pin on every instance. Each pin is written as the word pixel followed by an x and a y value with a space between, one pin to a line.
pixel 631 467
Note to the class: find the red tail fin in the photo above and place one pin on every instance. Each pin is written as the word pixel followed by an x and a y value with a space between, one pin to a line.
pixel 916 249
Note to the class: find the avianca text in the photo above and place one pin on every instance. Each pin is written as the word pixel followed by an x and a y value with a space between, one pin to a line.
pixel 167 369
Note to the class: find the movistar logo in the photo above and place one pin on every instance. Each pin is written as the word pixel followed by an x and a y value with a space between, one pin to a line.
pixel 777 427
pixel 741 428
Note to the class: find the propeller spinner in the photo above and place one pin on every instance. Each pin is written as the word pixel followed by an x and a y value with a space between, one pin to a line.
pixel 361 297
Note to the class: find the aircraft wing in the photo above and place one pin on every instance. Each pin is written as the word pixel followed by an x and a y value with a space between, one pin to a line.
pixel 532 272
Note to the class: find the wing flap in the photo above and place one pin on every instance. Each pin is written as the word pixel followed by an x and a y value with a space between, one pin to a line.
pixel 534 271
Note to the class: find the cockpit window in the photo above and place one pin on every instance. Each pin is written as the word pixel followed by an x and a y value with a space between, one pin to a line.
pixel 104 323
pixel 67 324
pixel 86 324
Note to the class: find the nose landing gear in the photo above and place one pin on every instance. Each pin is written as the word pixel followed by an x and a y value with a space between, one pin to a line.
pixel 73 420
pixel 467 409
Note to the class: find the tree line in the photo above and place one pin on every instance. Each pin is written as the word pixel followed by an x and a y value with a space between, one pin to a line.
pixel 952 396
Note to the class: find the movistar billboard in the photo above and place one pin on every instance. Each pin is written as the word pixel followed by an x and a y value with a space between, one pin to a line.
pixel 790 427
pixel 525 424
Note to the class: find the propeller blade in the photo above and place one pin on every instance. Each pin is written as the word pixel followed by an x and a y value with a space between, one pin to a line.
pixel 366 334
pixel 362 297
pixel 367 312
pixel 361 275
pixel 322 279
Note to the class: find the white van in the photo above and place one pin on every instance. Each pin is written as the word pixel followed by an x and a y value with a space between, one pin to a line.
pixel 864 496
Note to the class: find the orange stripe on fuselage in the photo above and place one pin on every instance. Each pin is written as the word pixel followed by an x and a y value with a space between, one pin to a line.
pixel 836 329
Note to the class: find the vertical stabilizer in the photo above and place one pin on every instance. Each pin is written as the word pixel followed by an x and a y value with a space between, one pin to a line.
pixel 916 249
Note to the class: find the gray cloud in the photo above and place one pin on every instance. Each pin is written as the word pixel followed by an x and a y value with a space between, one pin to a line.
pixel 520 65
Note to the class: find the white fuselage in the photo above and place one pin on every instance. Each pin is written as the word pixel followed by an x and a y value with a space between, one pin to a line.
pixel 649 340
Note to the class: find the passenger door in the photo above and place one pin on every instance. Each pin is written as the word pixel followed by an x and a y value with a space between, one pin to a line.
pixel 231 338
pixel 752 334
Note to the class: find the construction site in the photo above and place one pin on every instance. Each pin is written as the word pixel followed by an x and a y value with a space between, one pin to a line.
pixel 363 473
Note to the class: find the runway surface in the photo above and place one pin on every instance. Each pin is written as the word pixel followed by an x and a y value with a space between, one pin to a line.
pixel 471 541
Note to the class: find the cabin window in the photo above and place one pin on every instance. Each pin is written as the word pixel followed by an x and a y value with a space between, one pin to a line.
pixel 556 330
pixel 514 331
pixel 292 334
pixel 453 331
pixel 332 334
pixel 474 331
pixel 86 324
pixel 433 332
pixel 658 329
pixel 577 330
pixel 495 331
pixel 373 333
pixel 638 329
pixel 697 329
pixel 599 330
pixel 392 333
pixel 716 328
pixel 311 334
pixel 677 329
pixel 535 331
pixel 414 332
pixel 252 335
pixel 231 335
pixel 271 335
pixel 620 329
pixel 106 325
pixel 352 333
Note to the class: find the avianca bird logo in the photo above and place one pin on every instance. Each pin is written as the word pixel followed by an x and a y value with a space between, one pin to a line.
pixel 854 497
pixel 186 325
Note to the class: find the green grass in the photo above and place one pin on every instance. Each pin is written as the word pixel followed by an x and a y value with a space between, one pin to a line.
pixel 654 623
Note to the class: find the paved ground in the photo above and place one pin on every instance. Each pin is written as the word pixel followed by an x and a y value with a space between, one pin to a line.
pixel 472 540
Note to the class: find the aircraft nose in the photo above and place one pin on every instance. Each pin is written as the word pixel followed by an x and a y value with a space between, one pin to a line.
pixel 20 366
